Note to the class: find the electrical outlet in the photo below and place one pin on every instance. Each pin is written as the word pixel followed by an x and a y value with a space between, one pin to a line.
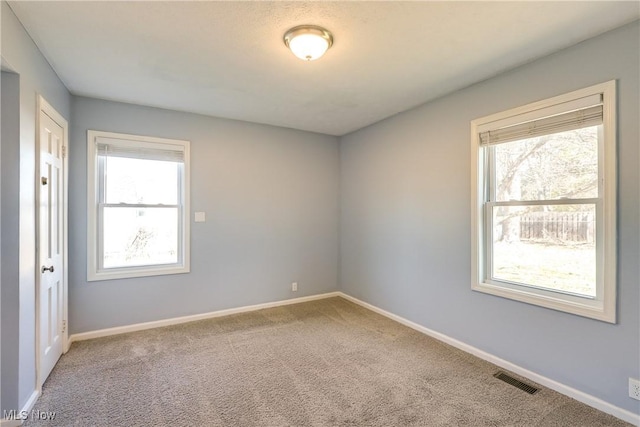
pixel 634 388
pixel 294 287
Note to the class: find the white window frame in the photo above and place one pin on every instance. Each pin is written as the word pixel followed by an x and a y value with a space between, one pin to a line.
pixel 603 305
pixel 95 194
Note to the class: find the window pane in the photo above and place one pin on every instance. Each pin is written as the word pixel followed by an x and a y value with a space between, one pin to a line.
pixel 135 237
pixel 551 247
pixel 561 165
pixel 141 181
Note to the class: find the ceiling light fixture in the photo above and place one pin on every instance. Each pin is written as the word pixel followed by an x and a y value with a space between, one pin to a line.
pixel 308 42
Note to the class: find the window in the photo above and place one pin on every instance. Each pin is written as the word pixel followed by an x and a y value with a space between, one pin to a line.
pixel 138 206
pixel 544 203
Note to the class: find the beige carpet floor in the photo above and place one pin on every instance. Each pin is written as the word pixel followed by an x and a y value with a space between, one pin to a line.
pixel 321 363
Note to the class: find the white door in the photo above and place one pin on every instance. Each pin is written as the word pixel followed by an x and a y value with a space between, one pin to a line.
pixel 51 291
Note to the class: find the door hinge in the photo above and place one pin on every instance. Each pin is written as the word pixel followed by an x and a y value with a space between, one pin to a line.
pixel 64 151
pixel 64 326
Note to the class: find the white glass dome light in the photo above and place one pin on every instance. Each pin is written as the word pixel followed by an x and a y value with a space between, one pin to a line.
pixel 308 42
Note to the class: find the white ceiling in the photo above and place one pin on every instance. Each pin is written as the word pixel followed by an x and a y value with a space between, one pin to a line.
pixel 227 59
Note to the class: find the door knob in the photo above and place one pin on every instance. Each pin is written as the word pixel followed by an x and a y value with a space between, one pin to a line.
pixel 45 269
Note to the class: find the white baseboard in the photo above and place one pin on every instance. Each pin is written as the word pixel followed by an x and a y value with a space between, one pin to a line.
pixel 578 395
pixel 28 406
pixel 31 401
pixel 177 320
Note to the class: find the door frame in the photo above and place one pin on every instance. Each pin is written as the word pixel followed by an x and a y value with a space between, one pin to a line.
pixel 42 106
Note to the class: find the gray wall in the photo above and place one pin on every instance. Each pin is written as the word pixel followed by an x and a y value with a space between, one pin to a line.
pixel 270 196
pixel 20 54
pixel 9 295
pixel 405 223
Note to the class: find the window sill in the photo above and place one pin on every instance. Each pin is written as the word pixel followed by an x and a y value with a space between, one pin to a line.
pixel 129 273
pixel 584 307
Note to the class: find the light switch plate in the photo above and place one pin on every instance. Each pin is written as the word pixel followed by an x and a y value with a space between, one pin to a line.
pixel 200 217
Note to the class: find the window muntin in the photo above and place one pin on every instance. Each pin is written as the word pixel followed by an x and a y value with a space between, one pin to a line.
pixel 544 207
pixel 138 206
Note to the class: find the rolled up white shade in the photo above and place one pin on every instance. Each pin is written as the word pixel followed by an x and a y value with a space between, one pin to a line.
pixel 140 150
pixel 588 112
